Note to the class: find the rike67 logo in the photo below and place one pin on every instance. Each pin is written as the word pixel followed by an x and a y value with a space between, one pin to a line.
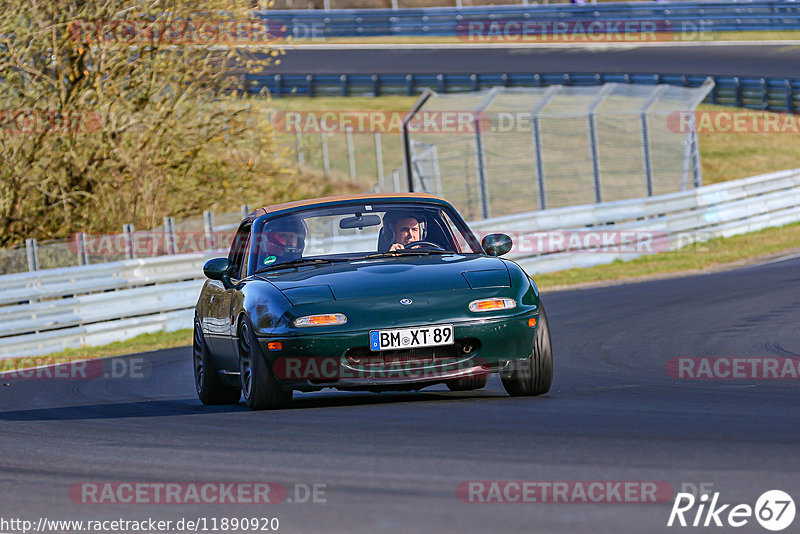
pixel 774 510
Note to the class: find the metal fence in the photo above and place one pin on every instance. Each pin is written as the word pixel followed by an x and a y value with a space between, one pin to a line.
pixel 521 149
pixel 357 155
pixel 773 94
pixel 678 17
pixel 206 234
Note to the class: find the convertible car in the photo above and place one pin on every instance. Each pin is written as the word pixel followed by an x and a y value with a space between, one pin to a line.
pixel 365 292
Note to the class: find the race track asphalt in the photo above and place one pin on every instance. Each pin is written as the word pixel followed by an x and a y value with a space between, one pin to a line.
pixel 393 462
pixel 767 60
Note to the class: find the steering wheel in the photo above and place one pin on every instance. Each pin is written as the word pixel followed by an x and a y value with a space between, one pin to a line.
pixel 417 244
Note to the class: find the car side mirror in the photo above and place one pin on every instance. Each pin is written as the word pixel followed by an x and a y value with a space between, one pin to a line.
pixel 496 244
pixel 219 269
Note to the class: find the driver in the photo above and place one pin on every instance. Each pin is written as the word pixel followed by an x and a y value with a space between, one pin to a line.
pixel 285 239
pixel 402 228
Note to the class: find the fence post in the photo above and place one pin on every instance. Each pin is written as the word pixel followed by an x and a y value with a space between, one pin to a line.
pixel 130 251
pixel 693 148
pixel 407 163
pixel 737 83
pixel 379 156
pixel 480 156
pixel 351 154
pixel 697 171
pixel 83 251
pixel 480 166
pixel 169 235
pixel 396 180
pixel 275 153
pixel 32 250
pixel 245 210
pixel 536 131
pixel 602 94
pixel 326 162
pixel 310 84
pixel 299 149
pixel 376 85
pixel 648 160
pixel 208 224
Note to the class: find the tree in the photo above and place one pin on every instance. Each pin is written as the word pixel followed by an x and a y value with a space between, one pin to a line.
pixel 115 112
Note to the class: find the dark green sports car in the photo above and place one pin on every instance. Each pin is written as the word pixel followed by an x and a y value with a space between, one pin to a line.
pixel 365 292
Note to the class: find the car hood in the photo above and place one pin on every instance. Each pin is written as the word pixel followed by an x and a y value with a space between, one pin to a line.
pixel 401 276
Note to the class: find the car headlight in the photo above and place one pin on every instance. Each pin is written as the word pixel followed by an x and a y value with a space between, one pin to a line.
pixel 493 304
pixel 327 319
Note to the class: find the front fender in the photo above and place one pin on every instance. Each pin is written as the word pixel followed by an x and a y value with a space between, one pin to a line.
pixel 262 302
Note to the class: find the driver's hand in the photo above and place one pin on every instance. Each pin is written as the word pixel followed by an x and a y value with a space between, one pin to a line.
pixel 396 246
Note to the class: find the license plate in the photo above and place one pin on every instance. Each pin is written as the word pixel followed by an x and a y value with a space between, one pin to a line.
pixel 410 338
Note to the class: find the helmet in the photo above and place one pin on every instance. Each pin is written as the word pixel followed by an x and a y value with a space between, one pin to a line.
pixel 279 240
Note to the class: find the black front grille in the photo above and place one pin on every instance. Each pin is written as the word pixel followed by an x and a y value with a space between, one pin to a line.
pixel 364 358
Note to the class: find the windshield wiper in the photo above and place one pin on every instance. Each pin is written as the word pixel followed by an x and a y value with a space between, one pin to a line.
pixel 406 252
pixel 299 263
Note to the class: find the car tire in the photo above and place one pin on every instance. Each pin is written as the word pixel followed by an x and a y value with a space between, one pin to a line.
pixel 260 389
pixel 467 383
pixel 210 389
pixel 534 374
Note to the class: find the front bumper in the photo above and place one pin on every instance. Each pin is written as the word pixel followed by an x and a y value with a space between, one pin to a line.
pixel 343 360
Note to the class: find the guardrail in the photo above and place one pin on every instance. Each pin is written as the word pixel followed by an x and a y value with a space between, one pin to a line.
pixel 670 221
pixel 51 310
pixel 773 94
pixel 46 311
pixel 450 21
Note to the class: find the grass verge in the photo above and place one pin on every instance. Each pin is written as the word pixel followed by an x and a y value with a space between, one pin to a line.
pixel 707 256
pixel 731 155
pixel 140 343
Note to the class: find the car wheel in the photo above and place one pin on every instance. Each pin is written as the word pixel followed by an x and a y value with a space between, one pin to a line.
pixel 467 383
pixel 261 390
pixel 534 374
pixel 209 387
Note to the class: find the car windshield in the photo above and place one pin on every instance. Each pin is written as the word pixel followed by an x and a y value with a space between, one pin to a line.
pixel 359 232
